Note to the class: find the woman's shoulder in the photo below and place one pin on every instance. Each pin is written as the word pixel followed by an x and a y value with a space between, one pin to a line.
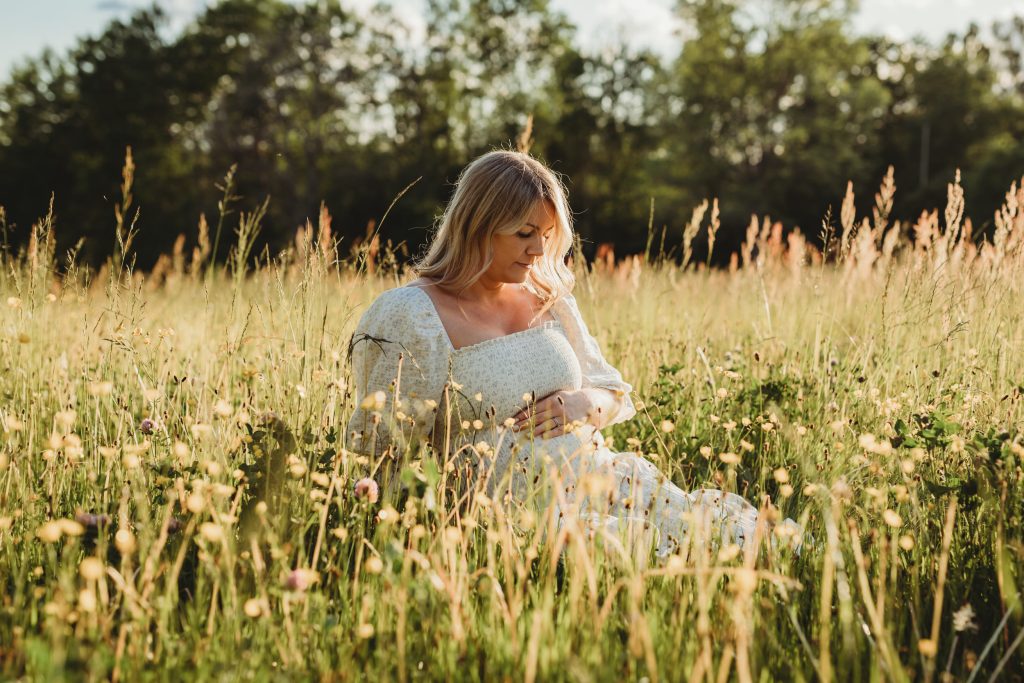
pixel 406 298
pixel 565 307
pixel 401 307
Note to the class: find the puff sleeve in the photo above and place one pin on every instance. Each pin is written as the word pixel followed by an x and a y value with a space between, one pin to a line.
pixel 597 372
pixel 399 365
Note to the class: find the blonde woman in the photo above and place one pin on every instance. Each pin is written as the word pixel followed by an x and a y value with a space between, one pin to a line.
pixel 486 356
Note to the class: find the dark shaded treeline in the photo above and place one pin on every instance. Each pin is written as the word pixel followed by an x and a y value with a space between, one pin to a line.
pixel 772 113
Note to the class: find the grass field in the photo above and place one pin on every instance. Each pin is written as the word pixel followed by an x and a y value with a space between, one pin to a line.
pixel 176 499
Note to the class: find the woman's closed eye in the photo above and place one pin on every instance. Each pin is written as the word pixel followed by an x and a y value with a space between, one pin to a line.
pixel 529 233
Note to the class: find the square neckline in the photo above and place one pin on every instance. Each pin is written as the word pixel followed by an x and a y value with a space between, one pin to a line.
pixel 544 325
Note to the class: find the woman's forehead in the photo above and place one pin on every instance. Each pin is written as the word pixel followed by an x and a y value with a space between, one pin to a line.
pixel 542 217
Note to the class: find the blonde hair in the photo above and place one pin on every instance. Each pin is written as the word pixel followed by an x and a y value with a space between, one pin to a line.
pixel 496 193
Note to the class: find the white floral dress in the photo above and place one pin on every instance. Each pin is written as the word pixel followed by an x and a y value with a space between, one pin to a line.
pixel 459 399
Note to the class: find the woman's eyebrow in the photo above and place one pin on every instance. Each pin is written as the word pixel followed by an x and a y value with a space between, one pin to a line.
pixel 537 227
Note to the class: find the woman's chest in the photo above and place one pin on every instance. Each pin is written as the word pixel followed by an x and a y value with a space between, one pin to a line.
pixel 493 376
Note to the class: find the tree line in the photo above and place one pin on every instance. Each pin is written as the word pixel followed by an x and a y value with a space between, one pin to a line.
pixel 770 107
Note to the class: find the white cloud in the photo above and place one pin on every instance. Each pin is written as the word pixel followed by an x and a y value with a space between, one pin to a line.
pixel 647 23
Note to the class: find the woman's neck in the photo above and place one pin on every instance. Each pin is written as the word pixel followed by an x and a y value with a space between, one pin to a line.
pixel 485 291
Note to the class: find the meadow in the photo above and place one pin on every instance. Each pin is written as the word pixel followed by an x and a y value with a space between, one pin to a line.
pixel 177 498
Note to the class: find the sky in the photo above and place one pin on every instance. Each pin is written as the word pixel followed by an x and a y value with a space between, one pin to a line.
pixel 27 27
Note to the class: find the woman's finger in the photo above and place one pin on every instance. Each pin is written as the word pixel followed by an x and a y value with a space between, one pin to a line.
pixel 550 424
pixel 537 418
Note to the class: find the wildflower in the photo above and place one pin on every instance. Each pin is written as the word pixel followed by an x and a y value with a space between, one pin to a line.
pixel 729 426
pixel 195 502
pixel 253 608
pixel 70 527
pixel 745 581
pixel 201 431
pixel 478 424
pixel 667 426
pixel 91 569
pixel 65 418
pixel 297 468
pixel 675 565
pixel 387 515
pixel 729 458
pixel 801 430
pixel 728 553
pixel 785 490
pixel 901 492
pixel 364 631
pixel 222 490
pixel 49 532
pixel 746 445
pixel 211 532
pixel 841 490
pixel 892 518
pixel 927 647
pixel 705 451
pixel 180 450
pixel 374 565
pixel 963 619
pixel 341 533
pixel 374 401
pixel 368 489
pixel 722 392
pixel 298 580
pixel 124 541
pixel 781 475
pixel 222 408
pixel 147 425
pixel 103 388
pixel 907 543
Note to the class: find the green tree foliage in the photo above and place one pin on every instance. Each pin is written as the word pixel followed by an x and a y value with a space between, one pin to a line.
pixel 770 106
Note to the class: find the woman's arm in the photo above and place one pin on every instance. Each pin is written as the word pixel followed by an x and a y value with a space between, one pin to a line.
pixel 597 372
pixel 558 412
pixel 398 369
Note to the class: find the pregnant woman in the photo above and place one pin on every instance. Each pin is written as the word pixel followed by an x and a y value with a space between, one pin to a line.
pixel 486 356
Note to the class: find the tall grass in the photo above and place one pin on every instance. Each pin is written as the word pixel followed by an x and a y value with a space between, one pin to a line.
pixel 176 495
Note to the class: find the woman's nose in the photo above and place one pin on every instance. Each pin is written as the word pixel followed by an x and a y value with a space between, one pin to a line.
pixel 536 247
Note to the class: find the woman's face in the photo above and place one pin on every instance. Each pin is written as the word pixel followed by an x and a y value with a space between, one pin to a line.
pixel 517 252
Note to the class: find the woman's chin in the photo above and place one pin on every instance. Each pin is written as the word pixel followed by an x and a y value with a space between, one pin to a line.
pixel 520 273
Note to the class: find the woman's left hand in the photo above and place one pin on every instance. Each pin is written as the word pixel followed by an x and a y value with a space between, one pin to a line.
pixel 552 414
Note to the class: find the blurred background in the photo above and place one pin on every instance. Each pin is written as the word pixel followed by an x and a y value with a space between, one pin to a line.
pixel 647 106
